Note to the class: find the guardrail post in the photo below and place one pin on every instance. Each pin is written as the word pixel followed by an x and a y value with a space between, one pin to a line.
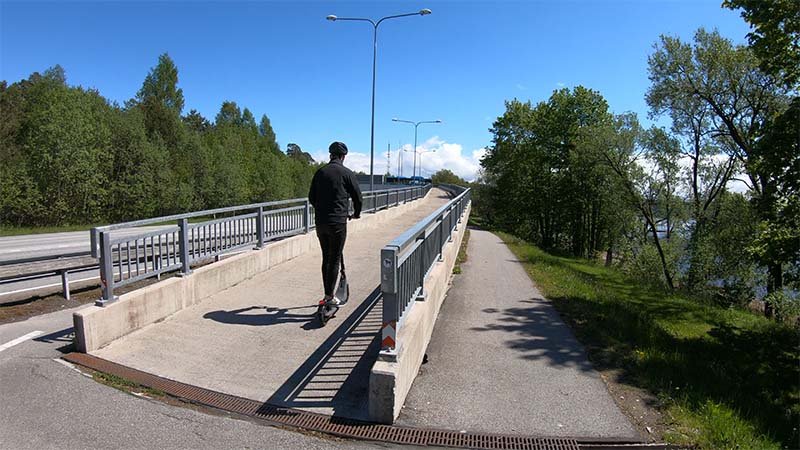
pixel 106 270
pixel 391 306
pixel 183 237
pixel 440 231
pixel 308 216
pixel 423 267
pixel 65 283
pixel 450 226
pixel 260 226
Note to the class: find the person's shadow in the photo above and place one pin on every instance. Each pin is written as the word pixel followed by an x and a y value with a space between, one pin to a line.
pixel 272 316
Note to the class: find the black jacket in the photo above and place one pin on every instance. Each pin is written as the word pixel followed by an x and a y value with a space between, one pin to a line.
pixel 332 185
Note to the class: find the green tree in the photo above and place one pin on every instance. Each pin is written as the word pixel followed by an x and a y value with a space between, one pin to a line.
pixel 775 38
pixel 544 166
pixel 445 176
pixel 266 131
pixel 162 101
pixel 66 139
pixel 196 122
pixel 296 153
pixel 627 151
pixel 744 100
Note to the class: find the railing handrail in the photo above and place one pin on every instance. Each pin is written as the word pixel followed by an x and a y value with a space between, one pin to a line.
pixel 408 259
pixel 183 245
pixel 95 231
pixel 410 235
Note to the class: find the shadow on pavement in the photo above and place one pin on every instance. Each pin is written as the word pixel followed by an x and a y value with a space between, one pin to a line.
pixel 538 333
pixel 64 336
pixel 336 376
pixel 273 316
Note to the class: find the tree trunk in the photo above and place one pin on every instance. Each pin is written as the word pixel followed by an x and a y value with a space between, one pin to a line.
pixel 774 284
pixel 664 266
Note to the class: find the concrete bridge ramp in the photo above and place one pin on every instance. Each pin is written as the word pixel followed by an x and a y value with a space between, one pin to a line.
pixel 260 340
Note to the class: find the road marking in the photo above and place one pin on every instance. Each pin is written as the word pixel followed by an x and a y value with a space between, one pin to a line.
pixel 20 340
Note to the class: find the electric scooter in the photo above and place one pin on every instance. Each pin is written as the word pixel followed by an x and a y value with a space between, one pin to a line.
pixel 326 310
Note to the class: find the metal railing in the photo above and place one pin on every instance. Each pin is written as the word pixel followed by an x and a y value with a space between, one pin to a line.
pixel 130 256
pixel 407 260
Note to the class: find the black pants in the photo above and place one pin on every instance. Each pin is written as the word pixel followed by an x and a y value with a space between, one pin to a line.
pixel 331 241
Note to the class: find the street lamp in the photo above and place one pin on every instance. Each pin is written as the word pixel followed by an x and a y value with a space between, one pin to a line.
pixel 422 152
pixel 332 18
pixel 416 124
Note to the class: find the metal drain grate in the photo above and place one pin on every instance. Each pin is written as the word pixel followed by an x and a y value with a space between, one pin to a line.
pixel 317 422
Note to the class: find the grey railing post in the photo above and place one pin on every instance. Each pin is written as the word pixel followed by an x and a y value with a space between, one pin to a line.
pixel 260 226
pixel 65 283
pixel 93 241
pixel 440 227
pixel 450 226
pixel 106 270
pixel 391 305
pixel 422 269
pixel 183 237
pixel 308 215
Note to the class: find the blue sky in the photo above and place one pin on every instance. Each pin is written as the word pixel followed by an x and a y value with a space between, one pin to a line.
pixel 312 77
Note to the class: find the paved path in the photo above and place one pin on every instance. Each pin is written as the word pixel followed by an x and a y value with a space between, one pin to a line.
pixel 45 404
pixel 501 360
pixel 260 339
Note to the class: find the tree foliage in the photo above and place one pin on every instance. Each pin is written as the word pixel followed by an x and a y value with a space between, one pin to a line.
pixel 749 122
pixel 445 176
pixel 775 38
pixel 544 169
pixel 72 157
pixel 573 177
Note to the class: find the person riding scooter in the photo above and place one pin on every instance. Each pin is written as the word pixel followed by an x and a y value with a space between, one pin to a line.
pixel 331 187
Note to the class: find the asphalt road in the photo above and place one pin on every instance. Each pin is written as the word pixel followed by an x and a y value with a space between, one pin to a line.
pixel 46 404
pixel 38 245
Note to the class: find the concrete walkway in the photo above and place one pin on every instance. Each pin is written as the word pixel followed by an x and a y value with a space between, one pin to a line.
pixel 501 360
pixel 260 340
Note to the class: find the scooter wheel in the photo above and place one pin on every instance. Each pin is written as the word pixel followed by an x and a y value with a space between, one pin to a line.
pixel 321 314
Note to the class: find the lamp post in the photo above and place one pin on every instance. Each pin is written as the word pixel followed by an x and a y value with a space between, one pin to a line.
pixel 375 24
pixel 416 125
pixel 420 158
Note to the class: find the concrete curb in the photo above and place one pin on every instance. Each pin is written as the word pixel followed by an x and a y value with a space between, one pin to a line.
pixel 97 326
pixel 390 381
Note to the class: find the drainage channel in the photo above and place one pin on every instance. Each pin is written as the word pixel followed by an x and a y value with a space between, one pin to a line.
pixel 344 427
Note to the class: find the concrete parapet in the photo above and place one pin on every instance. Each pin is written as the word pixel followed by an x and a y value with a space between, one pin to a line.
pixel 390 381
pixel 97 326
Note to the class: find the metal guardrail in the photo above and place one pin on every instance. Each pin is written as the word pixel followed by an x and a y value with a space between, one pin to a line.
pixel 407 260
pixel 130 257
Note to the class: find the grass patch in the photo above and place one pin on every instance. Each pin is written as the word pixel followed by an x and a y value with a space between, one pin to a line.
pixel 725 378
pixel 125 385
pixel 462 253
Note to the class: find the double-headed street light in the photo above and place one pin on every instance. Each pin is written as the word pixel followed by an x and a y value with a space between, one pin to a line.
pixel 416 124
pixel 332 18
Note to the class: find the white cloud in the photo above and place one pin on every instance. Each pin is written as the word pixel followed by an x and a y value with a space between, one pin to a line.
pixel 522 87
pixel 560 84
pixel 433 155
